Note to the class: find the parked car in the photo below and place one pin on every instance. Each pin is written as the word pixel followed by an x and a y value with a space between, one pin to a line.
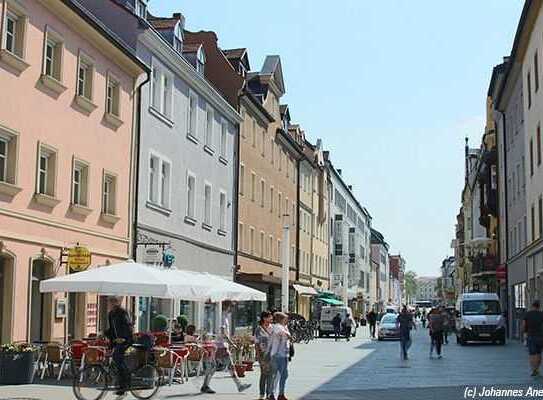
pixel 327 315
pixel 479 318
pixel 388 329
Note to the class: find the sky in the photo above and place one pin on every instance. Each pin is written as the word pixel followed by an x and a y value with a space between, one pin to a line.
pixel 391 87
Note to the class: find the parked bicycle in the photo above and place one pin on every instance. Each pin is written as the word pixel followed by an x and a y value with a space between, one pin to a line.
pixel 100 375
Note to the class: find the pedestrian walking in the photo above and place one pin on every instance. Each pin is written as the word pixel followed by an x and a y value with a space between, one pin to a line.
pixel 121 335
pixel 435 325
pixel 446 327
pixel 532 326
pixel 405 323
pixel 336 323
pixel 348 326
pixel 262 335
pixel 423 318
pixel 372 320
pixel 279 353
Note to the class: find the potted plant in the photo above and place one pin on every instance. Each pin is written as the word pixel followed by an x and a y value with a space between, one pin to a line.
pixel 16 364
pixel 247 344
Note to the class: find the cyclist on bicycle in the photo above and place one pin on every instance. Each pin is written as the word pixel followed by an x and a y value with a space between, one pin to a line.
pixel 121 334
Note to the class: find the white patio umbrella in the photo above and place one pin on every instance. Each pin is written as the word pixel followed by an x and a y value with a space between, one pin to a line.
pixel 223 289
pixel 133 279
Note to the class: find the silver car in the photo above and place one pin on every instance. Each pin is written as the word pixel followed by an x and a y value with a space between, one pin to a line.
pixel 388 328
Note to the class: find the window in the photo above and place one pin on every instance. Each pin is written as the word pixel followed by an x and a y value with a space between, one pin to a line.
pixel 280 159
pixel 241 236
pixel 241 179
pixel 519 178
pixel 531 156
pixel 161 89
pixel 279 204
pixel 538 144
pixel 279 251
pixel 108 194
pixel 207 204
pixel 253 133
pixel 191 186
pixel 8 156
pixel 210 116
pixel 536 72
pixel 178 39
pixel 262 192
pixel 253 186
pixel 80 180
pixel 222 211
pixel 47 171
pixel 270 248
pixel 159 181
pixel 84 77
pixel 244 123
pixel 252 240
pixel 271 199
pixel 52 63
pixel 523 166
pixel 224 138
pixel 200 60
pixel 112 97
pixel 192 115
pixel 533 222
pixel 141 8
pixel 15 30
pixel 529 88
pixel 263 143
pixel 262 244
pixel 540 209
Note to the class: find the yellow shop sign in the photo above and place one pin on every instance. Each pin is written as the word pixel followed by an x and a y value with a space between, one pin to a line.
pixel 79 258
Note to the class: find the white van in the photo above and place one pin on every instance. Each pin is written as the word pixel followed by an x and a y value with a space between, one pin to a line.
pixel 327 315
pixel 479 317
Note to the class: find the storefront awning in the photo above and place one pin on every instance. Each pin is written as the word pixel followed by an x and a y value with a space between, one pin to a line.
pixel 332 302
pixel 305 290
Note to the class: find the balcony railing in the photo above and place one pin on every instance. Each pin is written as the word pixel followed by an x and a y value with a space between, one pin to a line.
pixel 484 263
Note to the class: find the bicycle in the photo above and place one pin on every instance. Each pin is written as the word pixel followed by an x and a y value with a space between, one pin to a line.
pixel 100 375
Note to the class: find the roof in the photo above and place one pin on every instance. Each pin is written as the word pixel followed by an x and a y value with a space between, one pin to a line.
pixel 235 53
pixel 112 37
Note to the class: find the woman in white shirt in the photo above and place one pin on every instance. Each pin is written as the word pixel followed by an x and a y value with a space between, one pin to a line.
pixel 279 352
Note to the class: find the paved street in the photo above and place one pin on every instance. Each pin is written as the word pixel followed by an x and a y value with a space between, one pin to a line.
pixel 360 369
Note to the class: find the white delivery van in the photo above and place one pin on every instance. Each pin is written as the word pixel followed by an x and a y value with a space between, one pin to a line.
pixel 479 318
pixel 327 315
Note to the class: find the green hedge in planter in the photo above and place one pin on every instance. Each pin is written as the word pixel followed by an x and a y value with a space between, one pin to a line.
pixel 16 364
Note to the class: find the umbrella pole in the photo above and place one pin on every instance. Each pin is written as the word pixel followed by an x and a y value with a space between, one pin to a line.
pixel 171 320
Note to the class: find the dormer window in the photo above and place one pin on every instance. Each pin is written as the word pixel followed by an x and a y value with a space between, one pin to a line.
pixel 141 8
pixel 285 124
pixel 242 70
pixel 200 60
pixel 178 38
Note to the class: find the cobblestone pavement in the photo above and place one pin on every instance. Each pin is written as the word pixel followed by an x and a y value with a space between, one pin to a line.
pixel 359 369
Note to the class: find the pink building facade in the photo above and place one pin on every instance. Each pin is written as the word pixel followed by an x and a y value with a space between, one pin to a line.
pixel 67 139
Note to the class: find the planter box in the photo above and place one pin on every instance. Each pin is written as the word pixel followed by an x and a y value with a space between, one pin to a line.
pixel 16 368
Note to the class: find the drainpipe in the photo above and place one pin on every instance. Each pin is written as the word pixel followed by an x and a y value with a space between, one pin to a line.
pixel 235 196
pixel 297 255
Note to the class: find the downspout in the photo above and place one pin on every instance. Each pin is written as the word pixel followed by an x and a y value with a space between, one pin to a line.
pixel 235 196
pixel 298 164
pixel 137 164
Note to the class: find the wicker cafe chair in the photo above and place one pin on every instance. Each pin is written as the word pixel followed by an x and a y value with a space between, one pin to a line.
pixel 195 356
pixel 55 354
pixel 93 355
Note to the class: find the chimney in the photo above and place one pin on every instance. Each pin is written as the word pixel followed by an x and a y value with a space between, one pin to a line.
pixel 339 171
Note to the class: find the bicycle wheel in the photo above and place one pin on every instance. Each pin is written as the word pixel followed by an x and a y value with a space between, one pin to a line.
pixel 90 383
pixel 145 382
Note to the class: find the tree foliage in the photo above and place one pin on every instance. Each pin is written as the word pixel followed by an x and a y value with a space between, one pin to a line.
pixel 410 284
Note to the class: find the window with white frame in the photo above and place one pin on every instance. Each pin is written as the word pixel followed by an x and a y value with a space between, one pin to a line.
pixel 15 29
pixel 241 237
pixel 178 38
pixel 222 211
pixel 141 8
pixel 210 116
pixel 52 63
pixel 80 183
pixel 271 199
pixel 224 138
pixel 263 143
pixel 200 60
pixel 159 180
pixel 47 160
pixel 280 205
pixel 253 133
pixel 113 91
pixel 252 240
pixel 192 114
pixel 85 77
pixel 162 89
pixel 253 186
pixel 191 194
pixel 262 244
pixel 272 150
pixel 270 247
pixel 279 251
pixel 262 192
pixel 242 179
pixel 8 156
pixel 207 204
pixel 108 194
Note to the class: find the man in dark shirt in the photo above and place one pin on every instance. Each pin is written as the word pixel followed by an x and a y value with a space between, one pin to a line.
pixel 336 322
pixel 435 323
pixel 405 323
pixel 372 320
pixel 532 326
pixel 121 334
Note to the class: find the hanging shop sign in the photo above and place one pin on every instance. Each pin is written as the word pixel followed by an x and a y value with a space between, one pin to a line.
pixel 79 258
pixel 152 254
